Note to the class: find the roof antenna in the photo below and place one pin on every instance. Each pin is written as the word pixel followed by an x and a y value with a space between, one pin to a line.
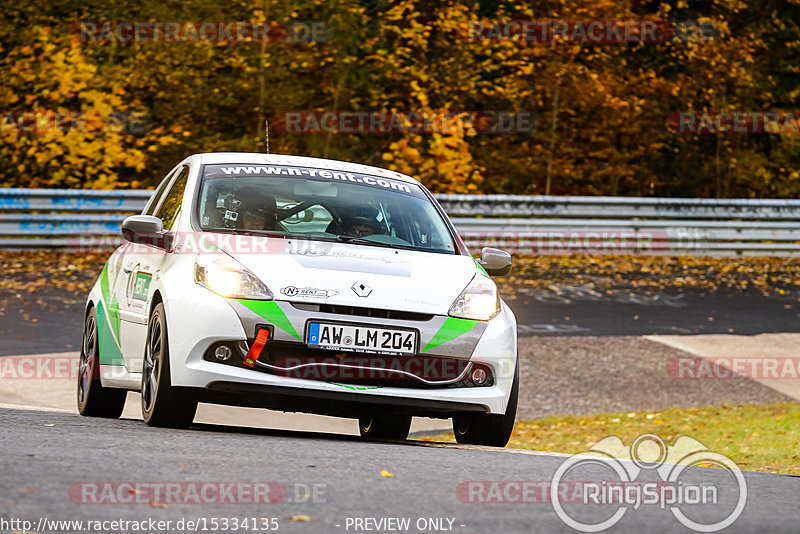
pixel 266 133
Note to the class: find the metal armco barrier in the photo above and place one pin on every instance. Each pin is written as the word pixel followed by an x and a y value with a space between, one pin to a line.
pixel 51 218
pixel 619 207
pixel 17 200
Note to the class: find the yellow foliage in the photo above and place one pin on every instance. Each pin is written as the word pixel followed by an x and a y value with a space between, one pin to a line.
pixel 59 145
pixel 600 109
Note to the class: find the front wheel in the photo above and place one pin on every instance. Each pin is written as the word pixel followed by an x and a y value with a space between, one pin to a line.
pixel 162 404
pixel 94 400
pixel 394 427
pixel 489 429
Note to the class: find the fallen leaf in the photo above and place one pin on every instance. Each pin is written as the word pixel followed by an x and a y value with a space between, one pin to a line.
pixel 299 518
pixel 386 473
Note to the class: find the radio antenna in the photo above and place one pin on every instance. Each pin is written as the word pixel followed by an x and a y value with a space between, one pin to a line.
pixel 266 133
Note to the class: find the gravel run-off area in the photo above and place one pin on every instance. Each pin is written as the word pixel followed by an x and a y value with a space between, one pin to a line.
pixel 599 374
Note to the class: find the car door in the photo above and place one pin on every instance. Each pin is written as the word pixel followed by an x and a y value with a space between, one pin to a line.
pixel 140 263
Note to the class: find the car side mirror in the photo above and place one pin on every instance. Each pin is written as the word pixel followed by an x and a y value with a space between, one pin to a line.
pixel 146 230
pixel 496 262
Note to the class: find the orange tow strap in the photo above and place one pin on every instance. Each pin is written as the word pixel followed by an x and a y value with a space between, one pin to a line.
pixel 258 345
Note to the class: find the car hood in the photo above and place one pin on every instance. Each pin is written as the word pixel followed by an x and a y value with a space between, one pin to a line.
pixel 358 275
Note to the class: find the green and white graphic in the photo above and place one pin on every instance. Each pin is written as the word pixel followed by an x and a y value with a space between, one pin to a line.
pixel 451 329
pixel 272 312
pixel 141 286
pixel 108 324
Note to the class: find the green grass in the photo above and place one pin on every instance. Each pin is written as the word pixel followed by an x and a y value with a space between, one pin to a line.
pixel 758 437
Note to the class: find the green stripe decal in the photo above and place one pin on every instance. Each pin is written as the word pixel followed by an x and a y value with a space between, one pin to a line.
pixel 272 312
pixel 108 324
pixel 451 329
pixel 109 350
pixel 113 315
pixel 104 283
pixel 355 388
pixel 480 267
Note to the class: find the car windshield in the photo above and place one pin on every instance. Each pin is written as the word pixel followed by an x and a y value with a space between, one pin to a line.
pixel 320 204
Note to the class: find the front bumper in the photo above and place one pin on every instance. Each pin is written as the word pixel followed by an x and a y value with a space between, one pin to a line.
pixel 333 403
pixel 491 343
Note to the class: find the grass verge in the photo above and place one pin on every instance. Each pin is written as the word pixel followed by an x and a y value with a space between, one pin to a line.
pixel 757 437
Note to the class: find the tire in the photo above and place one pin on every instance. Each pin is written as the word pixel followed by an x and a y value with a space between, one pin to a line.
pixel 489 429
pixel 162 404
pixel 394 427
pixel 94 400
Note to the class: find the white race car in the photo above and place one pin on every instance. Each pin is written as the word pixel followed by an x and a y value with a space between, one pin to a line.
pixel 302 285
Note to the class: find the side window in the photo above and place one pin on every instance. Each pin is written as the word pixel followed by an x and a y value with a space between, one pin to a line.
pixel 150 209
pixel 168 211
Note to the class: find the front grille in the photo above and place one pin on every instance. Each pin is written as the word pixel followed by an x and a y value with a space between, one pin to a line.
pixel 294 360
pixel 363 312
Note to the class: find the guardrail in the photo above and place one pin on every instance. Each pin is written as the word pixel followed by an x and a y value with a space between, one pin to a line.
pixel 619 207
pixel 42 218
pixel 71 200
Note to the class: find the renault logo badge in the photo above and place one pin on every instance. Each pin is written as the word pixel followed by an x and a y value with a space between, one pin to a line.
pixel 361 289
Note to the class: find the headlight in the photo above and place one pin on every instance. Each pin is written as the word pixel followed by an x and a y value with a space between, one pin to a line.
pixel 228 278
pixel 478 301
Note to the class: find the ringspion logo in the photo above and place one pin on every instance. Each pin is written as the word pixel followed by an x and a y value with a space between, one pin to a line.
pixel 677 489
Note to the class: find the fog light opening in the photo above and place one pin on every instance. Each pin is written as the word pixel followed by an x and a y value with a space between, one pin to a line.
pixel 223 353
pixel 479 375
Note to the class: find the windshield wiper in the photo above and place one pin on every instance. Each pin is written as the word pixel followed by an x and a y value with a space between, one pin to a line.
pixel 255 233
pixel 312 236
pixel 361 241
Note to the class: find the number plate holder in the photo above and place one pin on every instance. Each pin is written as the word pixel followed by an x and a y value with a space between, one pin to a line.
pixel 359 337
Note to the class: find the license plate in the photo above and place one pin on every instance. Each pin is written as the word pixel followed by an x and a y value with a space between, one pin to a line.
pixel 361 339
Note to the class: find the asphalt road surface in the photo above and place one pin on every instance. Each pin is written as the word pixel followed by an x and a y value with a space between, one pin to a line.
pixel 52 321
pixel 578 311
pixel 52 462
pixel 49 459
